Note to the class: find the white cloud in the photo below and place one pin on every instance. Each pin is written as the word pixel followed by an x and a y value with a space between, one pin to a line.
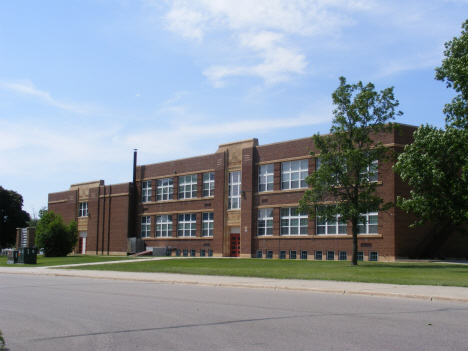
pixel 278 62
pixel 262 28
pixel 28 88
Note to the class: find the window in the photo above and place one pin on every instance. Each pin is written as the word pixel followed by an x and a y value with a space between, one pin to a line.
pixel 293 174
pixel 330 255
pixel 265 177
pixel 335 226
pixel 234 190
pixel 318 255
pixel 177 253
pixel 282 254
pixel 371 224
pixel 202 253
pixel 185 253
pixel 304 255
pixel 164 226
pixel 371 172
pixel 293 222
pixel 83 209
pixel 292 254
pixel 208 184
pixel 360 256
pixel 208 224
pixel 269 254
pixel 342 256
pixel 145 226
pixel 192 253
pixel 373 256
pixel 188 186
pixel 164 189
pixel 259 253
pixel 146 191
pixel 187 224
pixel 265 221
pixel 210 253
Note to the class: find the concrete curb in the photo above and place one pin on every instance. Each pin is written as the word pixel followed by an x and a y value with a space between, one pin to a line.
pixel 343 288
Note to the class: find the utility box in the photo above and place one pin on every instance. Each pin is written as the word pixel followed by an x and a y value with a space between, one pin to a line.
pixel 12 257
pixel 27 255
pixel 159 251
pixel 135 245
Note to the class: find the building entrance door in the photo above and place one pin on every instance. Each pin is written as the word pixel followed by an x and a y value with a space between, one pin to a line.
pixel 82 242
pixel 235 245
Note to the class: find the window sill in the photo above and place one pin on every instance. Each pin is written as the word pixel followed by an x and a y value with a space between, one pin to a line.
pixel 178 200
pixel 280 191
pixel 181 238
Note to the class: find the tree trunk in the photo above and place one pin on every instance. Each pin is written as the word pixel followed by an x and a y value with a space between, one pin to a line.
pixel 354 223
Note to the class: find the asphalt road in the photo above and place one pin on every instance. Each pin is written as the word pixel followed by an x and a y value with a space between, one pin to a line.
pixel 70 313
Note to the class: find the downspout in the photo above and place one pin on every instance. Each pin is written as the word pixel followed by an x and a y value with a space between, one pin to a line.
pixel 134 205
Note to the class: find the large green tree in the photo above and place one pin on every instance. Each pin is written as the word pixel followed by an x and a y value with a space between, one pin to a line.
pixel 454 72
pixel 435 165
pixel 344 187
pixel 12 216
pixel 55 237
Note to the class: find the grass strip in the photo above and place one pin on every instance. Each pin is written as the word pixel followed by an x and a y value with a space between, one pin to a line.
pixel 70 259
pixel 370 272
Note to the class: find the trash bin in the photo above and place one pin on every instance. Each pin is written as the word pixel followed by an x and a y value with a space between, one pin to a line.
pixel 27 255
pixel 12 257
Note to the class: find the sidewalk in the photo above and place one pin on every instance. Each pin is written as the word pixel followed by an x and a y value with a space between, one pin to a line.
pixel 425 292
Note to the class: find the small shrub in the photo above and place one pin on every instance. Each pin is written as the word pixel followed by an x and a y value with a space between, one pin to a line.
pixel 2 341
pixel 55 237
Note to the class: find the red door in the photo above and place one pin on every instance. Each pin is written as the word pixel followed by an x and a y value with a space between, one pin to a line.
pixel 235 245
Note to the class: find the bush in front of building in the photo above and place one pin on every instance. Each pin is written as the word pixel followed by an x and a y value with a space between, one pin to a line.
pixel 55 237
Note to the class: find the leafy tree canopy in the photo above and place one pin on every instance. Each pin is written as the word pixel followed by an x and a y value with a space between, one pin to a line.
pixel 349 157
pixel 12 216
pixel 454 71
pixel 55 237
pixel 435 165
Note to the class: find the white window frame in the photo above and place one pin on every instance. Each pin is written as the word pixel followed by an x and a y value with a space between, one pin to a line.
pixel 292 253
pixel 164 189
pixel 291 220
pixel 208 184
pixel 373 256
pixel 372 168
pixel 342 255
pixel 360 255
pixel 146 188
pixel 368 227
pixel 304 254
pixel 145 226
pixel 234 198
pixel 187 225
pixel 266 177
pixel 265 222
pixel 163 226
pixel 293 174
pixel 188 186
pixel 330 255
pixel 207 224
pixel 83 209
pixel 282 254
pixel 335 227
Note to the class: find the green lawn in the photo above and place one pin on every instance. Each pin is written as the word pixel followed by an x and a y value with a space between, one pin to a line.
pixel 372 272
pixel 70 259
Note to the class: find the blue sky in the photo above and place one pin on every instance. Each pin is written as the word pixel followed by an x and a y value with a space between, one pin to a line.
pixel 83 83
